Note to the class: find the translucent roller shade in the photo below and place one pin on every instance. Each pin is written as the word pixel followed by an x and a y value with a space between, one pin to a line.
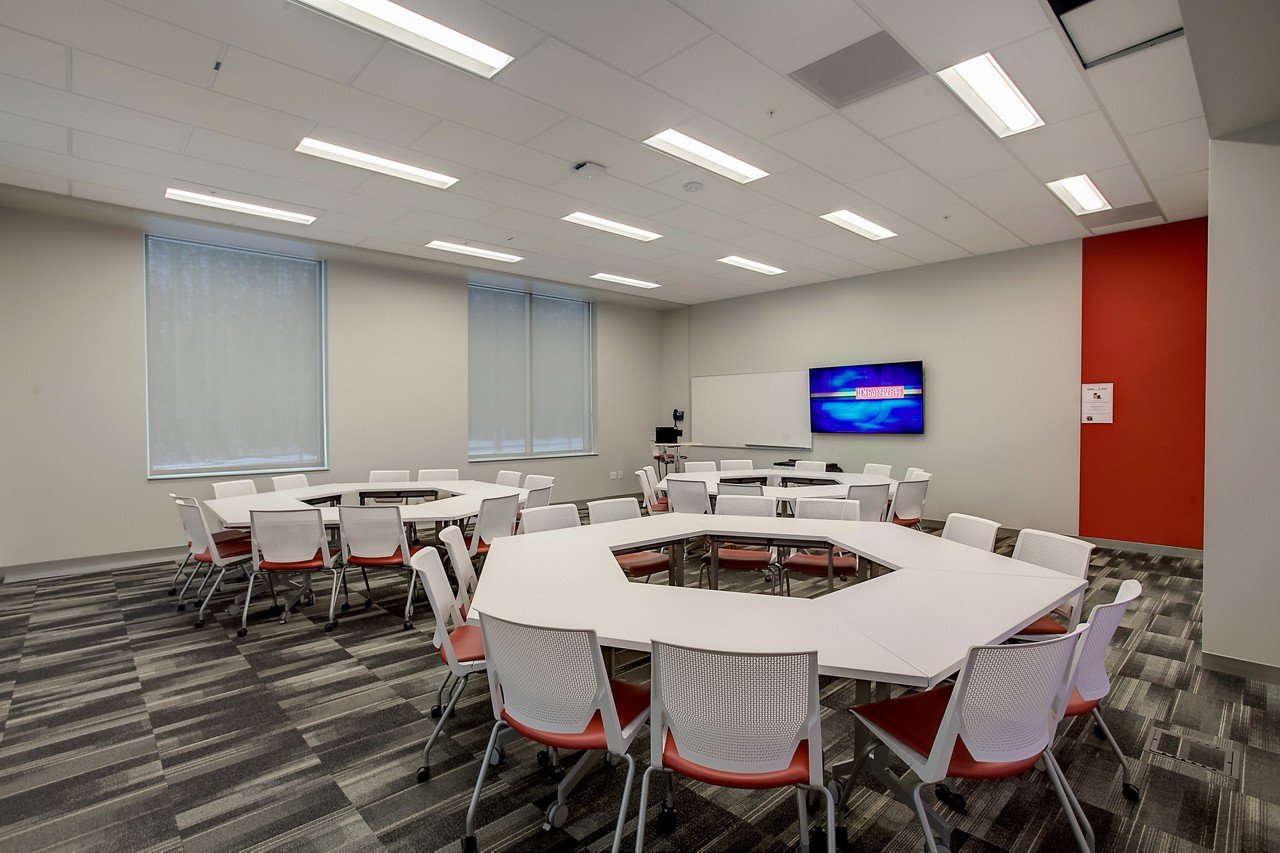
pixel 235 361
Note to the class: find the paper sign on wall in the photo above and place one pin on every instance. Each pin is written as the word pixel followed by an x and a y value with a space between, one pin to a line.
pixel 1096 402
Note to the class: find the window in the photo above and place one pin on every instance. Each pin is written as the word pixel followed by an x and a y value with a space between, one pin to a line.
pixel 235 361
pixel 530 375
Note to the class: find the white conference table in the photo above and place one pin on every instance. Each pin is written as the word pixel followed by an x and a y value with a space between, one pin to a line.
pixel 776 478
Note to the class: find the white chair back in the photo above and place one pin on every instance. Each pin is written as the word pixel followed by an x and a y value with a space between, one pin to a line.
pixel 429 474
pixel 908 501
pixel 555 517
pixel 234 488
pixel 688 496
pixel 289 481
pixel 739 489
pixel 753 505
pixel 196 527
pixel 538 497
pixel 389 476
pixel 1060 553
pixel 871 501
pixel 1091 678
pixel 646 490
pixel 736 712
pixel 444 606
pixel 699 467
pixel 878 470
pixel 496 519
pixel 508 478
pixel 538 481
pixel 652 476
pixel 917 474
pixel 612 509
pixel 737 465
pixel 971 530
pixel 371 531
pixel 288 536
pixel 810 465
pixel 832 509
pixel 460 561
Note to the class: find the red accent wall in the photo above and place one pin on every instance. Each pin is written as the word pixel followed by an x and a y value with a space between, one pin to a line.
pixel 1143 328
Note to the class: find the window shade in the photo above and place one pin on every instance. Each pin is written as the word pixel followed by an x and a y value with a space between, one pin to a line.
pixel 235 361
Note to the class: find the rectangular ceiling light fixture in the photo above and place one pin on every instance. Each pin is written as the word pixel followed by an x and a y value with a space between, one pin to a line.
pixel 622 279
pixel 754 266
pixel 984 87
pixel 690 150
pixel 374 163
pixel 1079 194
pixel 416 32
pixel 580 218
pixel 474 251
pixel 858 224
pixel 209 200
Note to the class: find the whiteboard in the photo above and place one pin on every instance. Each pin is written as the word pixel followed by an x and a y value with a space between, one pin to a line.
pixel 752 410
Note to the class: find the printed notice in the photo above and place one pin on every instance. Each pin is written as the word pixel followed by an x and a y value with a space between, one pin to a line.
pixel 1096 402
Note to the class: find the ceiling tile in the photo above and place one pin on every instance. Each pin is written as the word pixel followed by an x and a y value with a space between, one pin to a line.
pixel 615 192
pixel 761 246
pixel 49 163
pixel 616 245
pixel 1174 149
pixel 492 154
pixel 32 58
pixel 233 151
pixel 557 74
pixel 34 180
pixel 952 149
pixel 506 192
pixel 522 222
pixel 1122 186
pixel 902 108
pixel 1148 89
pixel 382 148
pixel 628 35
pixel 102 149
pixel 906 191
pixel 530 244
pixel 942 34
pixel 576 141
pixel 785 36
pixel 696 245
pixel 719 194
pixel 1038 224
pixel 808 191
pixel 866 252
pixel 482 21
pixel 450 202
pixel 966 227
pixel 1048 75
pixel 834 265
pixel 157 202
pixel 832 146
pixel 424 226
pixel 1007 189
pixel 726 83
pixel 786 220
pixel 927 247
pixel 440 90
pixel 34 133
pixel 1085 144
pixel 362 207
pixel 763 155
pixel 1183 196
pixel 706 223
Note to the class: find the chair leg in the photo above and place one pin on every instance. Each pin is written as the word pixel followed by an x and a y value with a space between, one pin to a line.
pixel 339 576
pixel 244 610
pixel 424 772
pixel 183 594
pixel 802 807
pixel 923 813
pixel 626 801
pixel 408 602
pixel 469 834
pixel 644 804
pixel 173 584
pixel 1079 821
pixel 205 605
pixel 368 593
pixel 1130 789
pixel 831 818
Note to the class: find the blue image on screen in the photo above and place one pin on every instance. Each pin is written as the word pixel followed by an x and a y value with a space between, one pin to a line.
pixel 879 399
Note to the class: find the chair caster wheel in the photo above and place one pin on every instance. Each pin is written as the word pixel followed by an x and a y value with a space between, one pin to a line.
pixel 199 623
pixel 557 814
pixel 436 711
pixel 469 844
pixel 368 603
pixel 346 605
pixel 1131 792
pixel 544 758
pixel 181 607
pixel 496 757
pixel 424 773
pixel 666 818
pixel 242 632
pixel 329 626
pixel 950 798
pixel 173 592
pixel 408 626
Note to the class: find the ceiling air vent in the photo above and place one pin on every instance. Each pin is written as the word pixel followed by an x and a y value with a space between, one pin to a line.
pixel 859 71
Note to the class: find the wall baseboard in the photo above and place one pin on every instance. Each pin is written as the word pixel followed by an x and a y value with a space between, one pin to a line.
pixel 1146 548
pixel 89 565
pixel 1238 666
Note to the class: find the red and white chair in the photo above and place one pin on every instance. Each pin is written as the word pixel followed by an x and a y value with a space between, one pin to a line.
pixel 1092 683
pixel 732 558
pixel 234 489
pixel 1062 554
pixel 389 476
pixel 635 564
pixel 289 481
pixel 373 537
pixel 907 508
pixel 460 645
pixel 508 478
pixel 737 465
pixel 699 467
pixel 224 551
pixel 917 474
pixel 690 496
pixel 811 466
pixel 555 517
pixel 971 530
pixel 827 562
pixel 290 542
pixel 872 501
pixel 460 562
pixel 652 476
pixel 739 720
pixel 652 504
pixel 878 469
pixel 429 475
pixel 551 686
pixel 218 532
pixel 497 518
pixel 996 722
pixel 537 493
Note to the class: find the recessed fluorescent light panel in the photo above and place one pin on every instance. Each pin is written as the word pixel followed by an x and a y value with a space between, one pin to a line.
pixel 754 266
pixel 395 22
pixel 352 157
pixel 858 224
pixel 580 218
pixel 474 251
pixel 622 279
pixel 237 206
pixel 698 153
pixel 1079 194
pixel 982 84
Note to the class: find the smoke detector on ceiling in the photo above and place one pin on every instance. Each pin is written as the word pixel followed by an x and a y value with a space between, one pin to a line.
pixel 693 186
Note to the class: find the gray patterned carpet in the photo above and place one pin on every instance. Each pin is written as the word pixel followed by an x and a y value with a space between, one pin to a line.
pixel 123 728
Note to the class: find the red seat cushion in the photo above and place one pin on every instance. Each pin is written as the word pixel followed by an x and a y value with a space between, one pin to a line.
pixel 906 522
pixel 1078 706
pixel 228 536
pixel 631 701
pixel 741 558
pixel 915 719
pixel 394 561
pixel 482 548
pixel 227 550
pixel 316 562
pixel 468 644
pixel 660 505
pixel 796 773
pixel 816 564
pixel 1045 625
pixel 644 562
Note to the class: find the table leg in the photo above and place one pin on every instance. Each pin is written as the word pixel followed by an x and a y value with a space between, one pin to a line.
pixel 713 577
pixel 831 568
pixel 676 576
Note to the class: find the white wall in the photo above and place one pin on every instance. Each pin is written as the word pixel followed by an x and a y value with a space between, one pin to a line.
pixel 1242 442
pixel 73 423
pixel 1000 339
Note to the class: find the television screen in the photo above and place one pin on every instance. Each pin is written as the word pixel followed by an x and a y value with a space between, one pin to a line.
pixel 879 399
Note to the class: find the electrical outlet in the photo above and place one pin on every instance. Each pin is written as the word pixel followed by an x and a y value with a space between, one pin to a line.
pixel 613 475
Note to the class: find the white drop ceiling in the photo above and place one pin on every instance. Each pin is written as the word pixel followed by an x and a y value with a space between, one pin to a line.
pixel 115 101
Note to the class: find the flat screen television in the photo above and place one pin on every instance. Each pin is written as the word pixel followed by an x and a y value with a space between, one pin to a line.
pixel 874 399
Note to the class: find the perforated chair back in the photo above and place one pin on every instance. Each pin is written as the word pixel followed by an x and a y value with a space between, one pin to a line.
pixel 538 481
pixel 1060 553
pixel 612 509
pixel 832 509
pixel 426 563
pixel 1091 678
pixel 917 474
pixel 538 498
pixel 735 712
pixel 389 476
pixel 811 465
pixel 753 505
pixel 646 490
pixel 508 478
pixel 371 531
pixel 688 496
pixel 699 467
pixel 971 530
pixel 234 488
pixel 737 465
pixel 908 501
pixel 652 476
pixel 497 518
pixel 429 474
pixel 460 561
pixel 289 481
pixel 739 489
pixel 555 517
pixel 288 536
pixel 878 469
pixel 196 527
pixel 871 499
pixel 549 679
